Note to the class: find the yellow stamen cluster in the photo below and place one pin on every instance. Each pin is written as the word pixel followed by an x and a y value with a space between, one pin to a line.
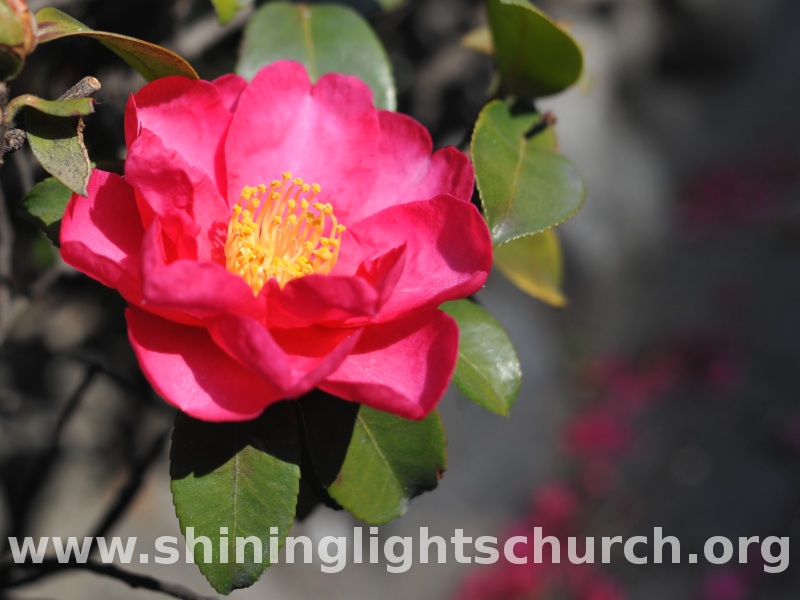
pixel 280 231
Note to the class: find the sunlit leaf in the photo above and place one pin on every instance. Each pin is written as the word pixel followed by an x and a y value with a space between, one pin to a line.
pixel 535 57
pixel 371 462
pixel 227 9
pixel 487 370
pixel 479 40
pixel 75 107
pixel 535 265
pixel 44 206
pixel 524 187
pixel 315 36
pixel 150 60
pixel 234 480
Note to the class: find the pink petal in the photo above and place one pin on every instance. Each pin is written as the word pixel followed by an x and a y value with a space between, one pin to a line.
pixel 449 251
pixel 101 235
pixel 325 134
pixel 403 367
pixel 191 372
pixel 191 210
pixel 335 300
pixel 196 288
pixel 408 172
pixel 294 360
pixel 190 116
pixel 230 87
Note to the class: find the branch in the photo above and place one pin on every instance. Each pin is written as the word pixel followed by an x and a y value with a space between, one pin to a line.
pixel 547 120
pixel 128 493
pixel 53 566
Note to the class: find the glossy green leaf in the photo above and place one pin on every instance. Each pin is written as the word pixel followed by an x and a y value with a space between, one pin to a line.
pixel 227 9
pixel 44 206
pixel 371 462
pixel 57 143
pixel 240 476
pixel 487 370
pixel 325 38
pixel 535 265
pixel 74 107
pixel 525 188
pixel 150 60
pixel 368 7
pixel 535 57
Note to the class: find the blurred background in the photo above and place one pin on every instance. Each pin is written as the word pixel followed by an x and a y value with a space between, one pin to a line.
pixel 663 395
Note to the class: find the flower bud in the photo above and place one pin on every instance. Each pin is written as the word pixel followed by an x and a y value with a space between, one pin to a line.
pixel 17 36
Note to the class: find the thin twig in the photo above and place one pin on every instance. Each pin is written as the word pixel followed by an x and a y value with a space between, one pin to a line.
pixel 6 266
pixel 193 40
pixel 52 566
pixel 36 478
pixel 128 493
pixel 547 120
pixel 83 89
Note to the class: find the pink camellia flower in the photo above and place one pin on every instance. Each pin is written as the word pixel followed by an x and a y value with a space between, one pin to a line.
pixel 278 236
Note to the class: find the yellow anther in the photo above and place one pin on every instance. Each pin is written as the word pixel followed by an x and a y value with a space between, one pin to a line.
pixel 274 236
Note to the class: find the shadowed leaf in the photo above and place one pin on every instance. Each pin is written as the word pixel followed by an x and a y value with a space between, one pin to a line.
pixel 150 60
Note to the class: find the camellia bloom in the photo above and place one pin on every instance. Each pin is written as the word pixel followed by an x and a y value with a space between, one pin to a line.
pixel 278 236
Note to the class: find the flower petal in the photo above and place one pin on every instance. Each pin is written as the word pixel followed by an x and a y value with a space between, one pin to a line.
pixel 335 300
pixel 191 210
pixel 199 289
pixel 191 118
pixel 408 170
pixel 325 134
pixel 449 251
pixel 230 87
pixel 402 367
pixel 191 372
pixel 101 235
pixel 293 360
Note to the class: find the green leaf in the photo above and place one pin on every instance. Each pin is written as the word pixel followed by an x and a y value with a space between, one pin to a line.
pixel 74 107
pixel 44 206
pixel 57 143
pixel 525 188
pixel 479 40
pixel 150 60
pixel 227 9
pixel 11 30
pixel 325 38
pixel 534 264
pixel 487 370
pixel 371 462
pixel 240 476
pixel 535 57
pixel 368 7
